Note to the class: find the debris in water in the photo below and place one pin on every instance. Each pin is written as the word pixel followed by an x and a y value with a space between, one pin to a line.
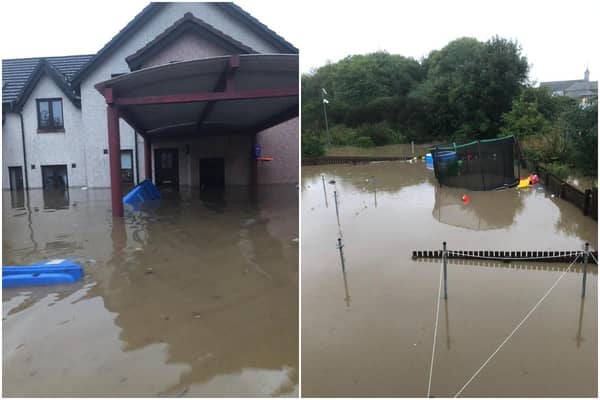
pixel 197 315
pixel 332 181
pixel 149 270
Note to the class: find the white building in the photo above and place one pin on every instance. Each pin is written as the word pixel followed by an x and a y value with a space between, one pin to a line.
pixel 54 119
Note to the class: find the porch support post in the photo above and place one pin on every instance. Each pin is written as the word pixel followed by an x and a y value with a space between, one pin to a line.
pixel 253 162
pixel 148 157
pixel 114 154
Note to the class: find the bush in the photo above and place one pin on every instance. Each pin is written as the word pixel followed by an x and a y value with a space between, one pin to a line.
pixel 311 145
pixel 364 141
pixel 342 135
pixel 558 168
pixel 380 133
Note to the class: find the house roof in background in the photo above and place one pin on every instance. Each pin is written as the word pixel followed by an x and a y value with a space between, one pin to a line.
pixel 17 73
pixel 573 88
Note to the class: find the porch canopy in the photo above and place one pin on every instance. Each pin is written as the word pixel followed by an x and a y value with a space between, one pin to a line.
pixel 238 94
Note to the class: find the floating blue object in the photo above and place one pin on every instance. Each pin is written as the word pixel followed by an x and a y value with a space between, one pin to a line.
pixel 53 272
pixel 446 156
pixel 257 150
pixel 144 191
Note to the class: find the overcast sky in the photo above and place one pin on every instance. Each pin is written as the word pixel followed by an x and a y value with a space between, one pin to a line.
pixel 559 38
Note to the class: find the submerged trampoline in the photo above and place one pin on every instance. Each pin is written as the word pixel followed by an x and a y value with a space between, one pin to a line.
pixel 478 165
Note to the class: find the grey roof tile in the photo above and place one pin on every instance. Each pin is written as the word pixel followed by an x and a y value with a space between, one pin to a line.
pixel 17 72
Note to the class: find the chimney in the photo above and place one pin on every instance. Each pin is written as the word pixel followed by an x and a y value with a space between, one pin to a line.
pixel 586 75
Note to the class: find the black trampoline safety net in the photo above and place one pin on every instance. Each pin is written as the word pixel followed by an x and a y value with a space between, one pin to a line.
pixel 478 165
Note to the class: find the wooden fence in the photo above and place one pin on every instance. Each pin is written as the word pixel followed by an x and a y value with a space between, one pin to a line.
pixel 586 201
pixel 352 159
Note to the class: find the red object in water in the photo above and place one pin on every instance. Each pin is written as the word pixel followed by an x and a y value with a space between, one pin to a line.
pixel 534 179
pixel 465 198
pixel 264 158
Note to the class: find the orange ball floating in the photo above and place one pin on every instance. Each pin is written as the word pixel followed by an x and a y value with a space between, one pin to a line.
pixel 465 198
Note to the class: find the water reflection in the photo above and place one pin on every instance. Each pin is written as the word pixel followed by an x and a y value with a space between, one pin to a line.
pixel 485 210
pixel 211 283
pixel 56 198
pixel 447 324
pixel 579 338
pixel 17 199
pixel 346 290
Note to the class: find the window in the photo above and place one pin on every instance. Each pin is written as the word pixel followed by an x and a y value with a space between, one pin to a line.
pixel 50 115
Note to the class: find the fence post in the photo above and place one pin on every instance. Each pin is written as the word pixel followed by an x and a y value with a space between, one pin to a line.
pixel 562 190
pixel 585 264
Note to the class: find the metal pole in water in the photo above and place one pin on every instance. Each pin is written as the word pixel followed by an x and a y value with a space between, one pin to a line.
pixel 445 261
pixel 324 190
pixel 412 147
pixel 585 264
pixel 375 188
pixel 340 246
pixel 336 207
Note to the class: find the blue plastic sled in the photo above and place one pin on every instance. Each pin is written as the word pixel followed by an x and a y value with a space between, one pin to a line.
pixel 53 272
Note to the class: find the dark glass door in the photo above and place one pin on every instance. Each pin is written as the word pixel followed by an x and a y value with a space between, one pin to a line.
pixel 166 167
pixel 55 182
pixel 55 177
pixel 16 178
pixel 212 172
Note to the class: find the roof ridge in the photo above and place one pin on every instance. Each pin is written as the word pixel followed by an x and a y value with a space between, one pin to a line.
pixel 47 57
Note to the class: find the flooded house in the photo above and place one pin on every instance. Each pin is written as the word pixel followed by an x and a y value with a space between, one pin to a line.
pixel 197 296
pixel 186 94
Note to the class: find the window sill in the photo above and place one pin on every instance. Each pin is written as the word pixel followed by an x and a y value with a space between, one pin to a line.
pixel 51 130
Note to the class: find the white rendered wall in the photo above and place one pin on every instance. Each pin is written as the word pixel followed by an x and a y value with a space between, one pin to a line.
pixel 53 148
pixel 281 143
pixel 93 103
pixel 12 147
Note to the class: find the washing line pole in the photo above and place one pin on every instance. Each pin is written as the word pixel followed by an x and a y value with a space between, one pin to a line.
pixel 585 265
pixel 337 213
pixel 324 190
pixel 445 261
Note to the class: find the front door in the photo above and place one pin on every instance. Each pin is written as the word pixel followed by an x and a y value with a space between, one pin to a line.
pixel 212 172
pixel 16 178
pixel 55 177
pixel 166 167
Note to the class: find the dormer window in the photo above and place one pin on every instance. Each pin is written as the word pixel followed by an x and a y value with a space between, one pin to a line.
pixel 50 115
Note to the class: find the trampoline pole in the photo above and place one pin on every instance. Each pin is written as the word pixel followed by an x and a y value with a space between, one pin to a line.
pixel 481 164
pixel 585 264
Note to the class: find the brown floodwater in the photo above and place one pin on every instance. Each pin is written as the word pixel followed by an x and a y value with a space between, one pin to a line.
pixel 196 295
pixel 370 331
